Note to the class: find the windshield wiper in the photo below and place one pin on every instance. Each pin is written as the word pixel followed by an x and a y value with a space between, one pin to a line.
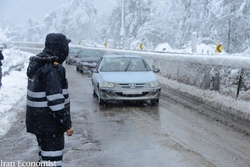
pixel 128 65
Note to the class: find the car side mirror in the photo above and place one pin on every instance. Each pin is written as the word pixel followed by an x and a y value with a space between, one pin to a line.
pixel 155 70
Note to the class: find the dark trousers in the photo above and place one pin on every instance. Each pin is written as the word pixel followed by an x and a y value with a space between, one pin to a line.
pixel 51 149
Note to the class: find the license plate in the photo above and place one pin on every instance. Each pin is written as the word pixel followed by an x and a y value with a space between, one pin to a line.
pixel 132 92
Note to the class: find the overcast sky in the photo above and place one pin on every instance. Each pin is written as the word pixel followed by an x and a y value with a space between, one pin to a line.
pixel 14 12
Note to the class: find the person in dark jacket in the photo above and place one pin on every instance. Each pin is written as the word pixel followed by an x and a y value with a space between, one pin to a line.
pixel 48 105
pixel 1 58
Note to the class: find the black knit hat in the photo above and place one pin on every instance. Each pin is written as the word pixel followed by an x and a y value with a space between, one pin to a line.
pixel 56 39
pixel 57 44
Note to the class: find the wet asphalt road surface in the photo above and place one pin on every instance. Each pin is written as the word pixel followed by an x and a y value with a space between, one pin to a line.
pixel 133 134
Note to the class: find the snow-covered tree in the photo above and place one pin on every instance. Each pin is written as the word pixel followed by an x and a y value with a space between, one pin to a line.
pixel 3 33
pixel 149 22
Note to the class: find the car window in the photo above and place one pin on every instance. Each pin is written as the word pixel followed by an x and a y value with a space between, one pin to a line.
pixel 73 52
pixel 136 65
pixel 119 64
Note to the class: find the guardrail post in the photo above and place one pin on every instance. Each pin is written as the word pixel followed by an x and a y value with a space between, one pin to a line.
pixel 239 83
pixel 215 82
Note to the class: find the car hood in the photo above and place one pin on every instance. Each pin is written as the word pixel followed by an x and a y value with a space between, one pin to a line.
pixel 129 77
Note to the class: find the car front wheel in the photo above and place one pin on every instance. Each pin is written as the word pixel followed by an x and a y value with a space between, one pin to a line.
pixel 100 101
pixel 94 93
pixel 155 102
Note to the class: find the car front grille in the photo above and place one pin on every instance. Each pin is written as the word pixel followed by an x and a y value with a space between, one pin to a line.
pixel 132 85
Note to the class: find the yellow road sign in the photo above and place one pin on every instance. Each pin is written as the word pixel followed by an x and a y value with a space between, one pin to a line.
pixel 219 48
pixel 141 46
pixel 106 44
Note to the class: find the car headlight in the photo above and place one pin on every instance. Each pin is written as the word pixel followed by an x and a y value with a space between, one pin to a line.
pixel 153 84
pixel 109 85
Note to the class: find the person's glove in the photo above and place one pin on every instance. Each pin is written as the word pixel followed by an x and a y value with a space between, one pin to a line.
pixel 70 131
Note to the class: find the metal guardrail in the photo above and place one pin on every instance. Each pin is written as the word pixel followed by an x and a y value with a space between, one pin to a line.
pixel 36 47
pixel 211 72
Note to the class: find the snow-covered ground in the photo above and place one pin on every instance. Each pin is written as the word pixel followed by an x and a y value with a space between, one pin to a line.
pixel 15 83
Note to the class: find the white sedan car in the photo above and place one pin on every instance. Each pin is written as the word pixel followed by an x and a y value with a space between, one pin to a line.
pixel 125 77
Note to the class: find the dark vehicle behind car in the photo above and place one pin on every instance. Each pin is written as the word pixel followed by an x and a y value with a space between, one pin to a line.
pixel 73 54
pixel 87 60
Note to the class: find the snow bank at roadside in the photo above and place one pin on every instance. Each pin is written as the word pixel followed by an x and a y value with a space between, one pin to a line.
pixel 14 84
pixel 228 104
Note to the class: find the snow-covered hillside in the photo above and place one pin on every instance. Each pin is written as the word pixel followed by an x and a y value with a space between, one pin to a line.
pixel 146 21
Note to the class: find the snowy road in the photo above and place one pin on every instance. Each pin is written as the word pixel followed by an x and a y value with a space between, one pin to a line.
pixel 131 135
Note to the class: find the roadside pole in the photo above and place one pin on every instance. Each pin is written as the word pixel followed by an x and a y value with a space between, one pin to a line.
pixel 194 42
pixel 122 31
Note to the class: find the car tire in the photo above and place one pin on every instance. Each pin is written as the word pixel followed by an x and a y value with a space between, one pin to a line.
pixel 94 93
pixel 155 102
pixel 100 101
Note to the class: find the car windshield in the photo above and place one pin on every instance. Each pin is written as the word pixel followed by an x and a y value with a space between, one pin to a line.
pixel 118 64
pixel 73 51
pixel 90 53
